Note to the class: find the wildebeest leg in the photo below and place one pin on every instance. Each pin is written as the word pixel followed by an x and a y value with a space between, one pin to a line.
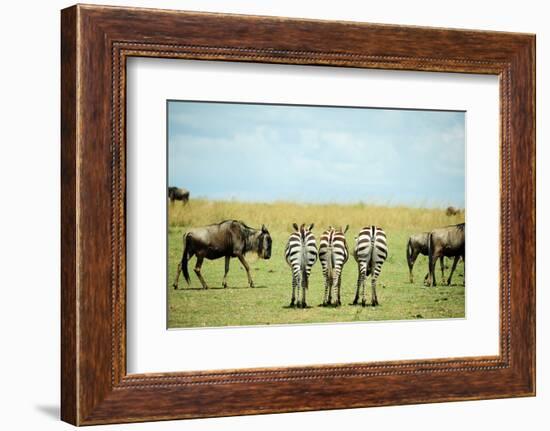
pixel 245 264
pixel 177 276
pixel 224 283
pixel 453 270
pixel 431 269
pixel 411 265
pixel 442 264
pixel 198 271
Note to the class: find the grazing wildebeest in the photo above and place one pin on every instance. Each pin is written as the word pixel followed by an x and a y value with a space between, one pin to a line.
pixel 333 254
pixel 229 238
pixel 178 194
pixel 418 244
pixel 301 255
pixel 452 211
pixel 371 251
pixel 446 241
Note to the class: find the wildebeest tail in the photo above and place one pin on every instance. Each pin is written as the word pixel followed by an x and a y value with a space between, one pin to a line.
pixel 185 259
pixel 409 252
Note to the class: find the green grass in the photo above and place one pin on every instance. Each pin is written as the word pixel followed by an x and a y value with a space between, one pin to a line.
pixel 267 303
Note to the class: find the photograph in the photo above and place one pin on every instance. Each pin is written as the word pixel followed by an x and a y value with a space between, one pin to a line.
pixel 283 214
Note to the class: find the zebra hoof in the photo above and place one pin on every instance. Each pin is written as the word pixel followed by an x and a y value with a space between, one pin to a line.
pixel 175 286
pixel 363 303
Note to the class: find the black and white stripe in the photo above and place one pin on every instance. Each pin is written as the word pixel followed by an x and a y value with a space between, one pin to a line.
pixel 371 251
pixel 333 254
pixel 301 255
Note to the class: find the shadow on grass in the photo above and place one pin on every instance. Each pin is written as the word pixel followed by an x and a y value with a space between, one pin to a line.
pixel 220 288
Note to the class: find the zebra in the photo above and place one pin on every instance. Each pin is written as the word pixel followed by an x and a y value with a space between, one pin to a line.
pixel 333 254
pixel 371 250
pixel 301 255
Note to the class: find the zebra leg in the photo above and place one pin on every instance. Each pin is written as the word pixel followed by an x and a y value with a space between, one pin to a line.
pixel 359 284
pixel 293 300
pixel 364 280
pixel 326 297
pixel 224 283
pixel 375 274
pixel 374 298
pixel 339 302
pixel 330 285
pixel 298 290
pixel 304 288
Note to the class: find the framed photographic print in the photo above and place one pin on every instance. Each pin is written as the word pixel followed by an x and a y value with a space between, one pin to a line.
pixel 256 208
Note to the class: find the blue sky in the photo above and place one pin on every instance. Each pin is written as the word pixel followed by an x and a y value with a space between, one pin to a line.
pixel 297 153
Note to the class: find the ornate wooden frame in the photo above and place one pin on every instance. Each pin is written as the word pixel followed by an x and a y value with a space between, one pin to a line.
pixel 95 43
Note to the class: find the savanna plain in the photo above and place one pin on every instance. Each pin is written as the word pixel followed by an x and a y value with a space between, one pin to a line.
pixel 268 302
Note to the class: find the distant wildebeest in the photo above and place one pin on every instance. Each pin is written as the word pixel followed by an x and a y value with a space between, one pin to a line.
pixel 452 211
pixel 447 241
pixel 229 238
pixel 301 255
pixel 371 251
pixel 418 244
pixel 333 254
pixel 178 194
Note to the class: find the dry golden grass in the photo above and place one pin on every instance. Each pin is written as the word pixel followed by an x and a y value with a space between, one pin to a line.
pixel 279 216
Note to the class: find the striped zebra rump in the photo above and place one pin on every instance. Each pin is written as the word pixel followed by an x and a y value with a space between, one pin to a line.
pixel 333 254
pixel 371 251
pixel 301 255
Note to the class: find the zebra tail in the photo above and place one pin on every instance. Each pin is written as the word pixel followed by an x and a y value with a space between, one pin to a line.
pixel 304 265
pixel 330 263
pixel 185 259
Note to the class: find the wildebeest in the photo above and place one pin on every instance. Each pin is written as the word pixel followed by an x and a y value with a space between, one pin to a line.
pixel 178 194
pixel 452 211
pixel 418 244
pixel 371 251
pixel 447 241
pixel 229 238
pixel 301 254
pixel 333 254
